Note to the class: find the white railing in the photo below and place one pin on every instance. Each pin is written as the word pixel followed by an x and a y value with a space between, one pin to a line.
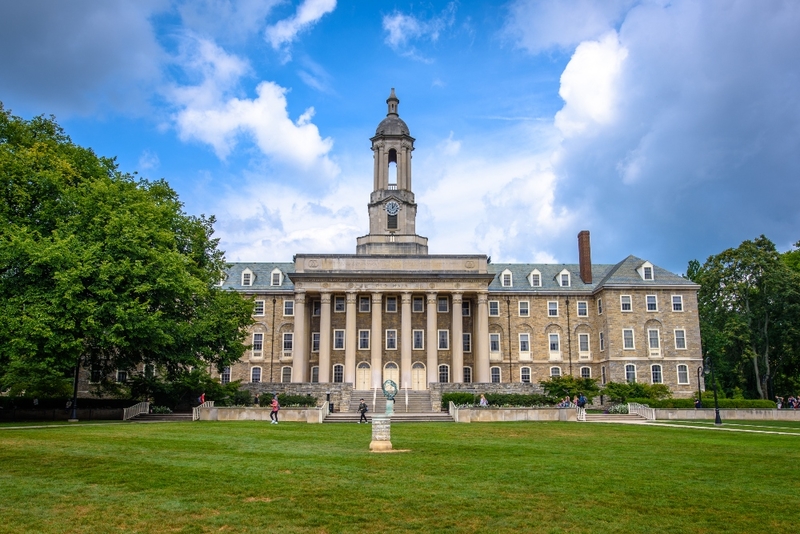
pixel 196 410
pixel 581 413
pixel 453 411
pixel 136 409
pixel 642 410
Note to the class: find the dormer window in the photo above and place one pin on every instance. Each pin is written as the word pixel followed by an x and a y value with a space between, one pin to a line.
pixel 247 277
pixel 564 278
pixel 506 279
pixel 276 277
pixel 535 278
pixel 646 271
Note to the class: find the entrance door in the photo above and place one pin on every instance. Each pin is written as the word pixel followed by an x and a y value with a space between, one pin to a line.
pixel 418 376
pixel 363 376
pixel 391 372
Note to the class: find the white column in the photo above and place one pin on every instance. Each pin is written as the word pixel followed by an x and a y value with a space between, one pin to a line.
pixel 376 339
pixel 458 340
pixel 350 340
pixel 325 338
pixel 299 353
pixel 432 340
pixel 482 342
pixel 405 340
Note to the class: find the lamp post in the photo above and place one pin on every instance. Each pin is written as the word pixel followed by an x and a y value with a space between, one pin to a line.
pixel 699 393
pixel 717 420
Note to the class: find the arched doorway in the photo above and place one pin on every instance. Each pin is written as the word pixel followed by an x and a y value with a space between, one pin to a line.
pixel 363 376
pixel 391 372
pixel 418 376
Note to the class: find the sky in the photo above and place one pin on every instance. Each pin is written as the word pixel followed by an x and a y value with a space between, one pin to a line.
pixel 668 129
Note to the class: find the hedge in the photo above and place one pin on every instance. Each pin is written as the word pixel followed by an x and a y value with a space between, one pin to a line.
pixel 723 403
pixel 288 400
pixel 497 399
pixel 26 403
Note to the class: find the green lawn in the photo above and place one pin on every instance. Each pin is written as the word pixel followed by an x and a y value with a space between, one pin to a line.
pixel 295 477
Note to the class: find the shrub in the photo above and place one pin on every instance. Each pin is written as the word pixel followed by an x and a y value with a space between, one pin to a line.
pixel 160 409
pixel 707 403
pixel 289 400
pixel 622 391
pixel 562 386
pixel 459 399
pixel 497 399
pixel 618 409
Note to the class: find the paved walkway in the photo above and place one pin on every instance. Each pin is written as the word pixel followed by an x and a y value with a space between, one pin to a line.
pixel 729 428
pixel 71 425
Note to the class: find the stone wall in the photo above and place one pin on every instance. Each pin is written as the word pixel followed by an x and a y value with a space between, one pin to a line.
pixel 242 413
pixel 708 414
pixel 437 389
pixel 340 393
pixel 489 415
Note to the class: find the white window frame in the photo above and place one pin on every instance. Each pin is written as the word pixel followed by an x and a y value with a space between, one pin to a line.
pixel 524 343
pixel 506 279
pixel 414 302
pixel 633 339
pixel 599 306
pixel 647 299
pixel 361 301
pixel 633 366
pixel 288 341
pixel 555 371
pixel 467 374
pixel 338 339
pixel 524 308
pixel 467 343
pixel 682 336
pixel 653 374
pixel 393 301
pixel 315 374
pixel 273 282
pixel 363 336
pixel 657 339
pixel 550 337
pixel 603 378
pixel 495 370
pixel 466 308
pixel 259 308
pixel 583 306
pixel 583 354
pixel 623 301
pixel 494 342
pixel 248 278
pixel 415 338
pixel 391 339
pixel 225 376
pixel 589 371
pixel 339 304
pixel 679 303
pixel 316 308
pixel 564 276
pixel 444 368
pixel 686 373
pixel 286 374
pixel 288 308
pixel 496 305
pixel 442 305
pixel 258 343
pixel 337 374
pixel 535 278
pixel 443 335
pixel 315 337
pixel 643 271
pixel 602 337
pixel 552 308
pixel 252 375
pixel 522 373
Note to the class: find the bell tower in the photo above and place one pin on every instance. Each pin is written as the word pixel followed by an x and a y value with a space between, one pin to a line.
pixel 392 210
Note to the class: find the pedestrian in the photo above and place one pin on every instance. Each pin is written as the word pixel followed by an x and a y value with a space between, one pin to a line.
pixel 274 414
pixel 575 400
pixel 255 400
pixel 778 402
pixel 698 404
pixel 581 401
pixel 484 402
pixel 362 407
pixel 202 397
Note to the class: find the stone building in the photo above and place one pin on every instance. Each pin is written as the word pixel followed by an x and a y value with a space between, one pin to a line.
pixel 394 311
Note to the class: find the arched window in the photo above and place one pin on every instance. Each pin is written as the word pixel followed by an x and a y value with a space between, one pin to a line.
pixel 586 372
pixel 392 168
pixel 683 374
pixel 315 374
pixel 555 371
pixel 255 375
pixel 444 373
pixel 656 372
pixel 286 374
pixel 495 375
pixel 525 375
pixel 630 373
pixel 467 375
pixel 338 373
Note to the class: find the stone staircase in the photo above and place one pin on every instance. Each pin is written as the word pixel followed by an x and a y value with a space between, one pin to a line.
pixel 162 417
pixel 418 409
pixel 629 418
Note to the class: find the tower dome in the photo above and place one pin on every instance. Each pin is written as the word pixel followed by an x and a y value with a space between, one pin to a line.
pixel 392 124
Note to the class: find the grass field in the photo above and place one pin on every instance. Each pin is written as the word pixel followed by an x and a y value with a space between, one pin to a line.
pixel 504 477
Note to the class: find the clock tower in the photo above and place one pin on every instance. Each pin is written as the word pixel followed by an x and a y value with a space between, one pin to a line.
pixel 392 210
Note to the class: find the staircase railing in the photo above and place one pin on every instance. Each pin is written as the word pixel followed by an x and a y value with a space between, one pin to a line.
pixel 136 409
pixel 581 413
pixel 196 410
pixel 642 410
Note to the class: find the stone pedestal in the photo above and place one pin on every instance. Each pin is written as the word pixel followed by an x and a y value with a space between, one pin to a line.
pixel 381 434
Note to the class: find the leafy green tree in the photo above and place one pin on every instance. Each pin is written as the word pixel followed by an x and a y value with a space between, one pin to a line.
pixel 622 391
pixel 100 269
pixel 749 305
pixel 559 387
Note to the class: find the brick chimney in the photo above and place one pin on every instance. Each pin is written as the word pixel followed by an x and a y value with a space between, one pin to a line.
pixel 585 256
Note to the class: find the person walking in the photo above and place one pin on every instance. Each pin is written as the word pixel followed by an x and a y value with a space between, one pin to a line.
pixel 274 413
pixel 362 407
pixel 255 400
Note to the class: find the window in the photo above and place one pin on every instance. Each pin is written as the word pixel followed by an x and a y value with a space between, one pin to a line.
pixel 524 308
pixel 554 342
pixel 122 376
pixel 225 376
pixel 625 303
pixel 255 375
pixel 495 371
pixel 467 375
pixel 316 308
pixel 314 341
pixel 652 339
pixel 363 339
pixel 288 308
pixel 444 339
pixel 276 278
pixel 315 374
pixel 494 308
pixel 680 339
pixel 467 342
pixel 494 342
pixel 677 303
pixel 247 278
pixel 583 342
pixel 466 309
pixel 418 305
pixel 645 270
pixel 525 375
pixel 258 342
pixel 363 304
pixel 505 278
pixel 599 306
pixel 648 273
pixel 652 303
pixel 524 343
pixel 603 375
pixel 391 222
pixel 444 373
pixel 338 373
pixel 286 374
pixel 95 375
pixel 258 309
pixel 627 339
pixel 630 373
pixel 536 279
pixel 583 308
pixel 288 342
pixel 338 304
pixel 552 308
pixel 564 279
pixel 586 372
pixel 602 341
pixel 338 340
pixel 441 305
pixel 683 374
pixel 555 371
pixel 655 370
pixel 391 340
pixel 418 339
pixel 391 304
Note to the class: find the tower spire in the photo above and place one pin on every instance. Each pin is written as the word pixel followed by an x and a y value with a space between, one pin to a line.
pixel 392 101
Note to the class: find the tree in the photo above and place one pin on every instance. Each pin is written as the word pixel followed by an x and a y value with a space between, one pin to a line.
pixel 559 387
pixel 100 269
pixel 749 305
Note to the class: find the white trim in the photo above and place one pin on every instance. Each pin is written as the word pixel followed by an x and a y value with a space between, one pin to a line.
pixel 680 300
pixel 439 339
pixel 361 300
pixel 560 278
pixel 647 303
pixel 600 306
pixel 622 303
pixel 585 367
pixel 492 369
pixel 524 354
pixel 527 311
pixel 272 277
pixel 654 352
pixel 387 337
pixel 360 339
pixel 466 305
pixel 506 282
pixel 337 300
pixel 289 303
pixel 248 277
pixel 602 340
pixel 256 305
pixel 675 335
pixel 260 374
pixel 578 308
pixel 467 344
pixel 340 367
pixel 318 336
pixel 633 339
pixel 532 278
pixel 678 371
pixel 556 374
pixel 642 270
pixel 584 354
pixel 551 309
pixel 497 305
pixel 521 369
pixel 343 339
pixel 421 300
pixel 439 373
pixel 414 339
pixel 660 372
pixel 390 299
pixel 497 336
pixel 284 370
pixel 635 372
pixel 442 299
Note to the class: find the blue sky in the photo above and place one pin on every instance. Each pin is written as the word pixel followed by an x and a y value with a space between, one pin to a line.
pixel 668 129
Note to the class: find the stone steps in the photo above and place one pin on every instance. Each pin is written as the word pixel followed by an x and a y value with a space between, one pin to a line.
pixel 165 417
pixel 614 418
pixel 418 402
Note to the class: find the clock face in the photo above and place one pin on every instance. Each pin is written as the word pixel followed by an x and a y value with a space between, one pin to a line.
pixel 392 207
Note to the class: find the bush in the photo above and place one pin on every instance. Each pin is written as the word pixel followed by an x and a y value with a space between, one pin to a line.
pixel 160 409
pixel 459 399
pixel 563 386
pixel 622 391
pixel 60 403
pixel 618 409
pixel 723 403
pixel 288 400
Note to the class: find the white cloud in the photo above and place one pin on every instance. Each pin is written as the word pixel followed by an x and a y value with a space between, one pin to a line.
pixel 209 112
pixel 402 30
pixel 148 161
pixel 281 34
pixel 225 20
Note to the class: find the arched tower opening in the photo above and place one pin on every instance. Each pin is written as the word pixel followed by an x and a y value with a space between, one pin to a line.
pixel 392 169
